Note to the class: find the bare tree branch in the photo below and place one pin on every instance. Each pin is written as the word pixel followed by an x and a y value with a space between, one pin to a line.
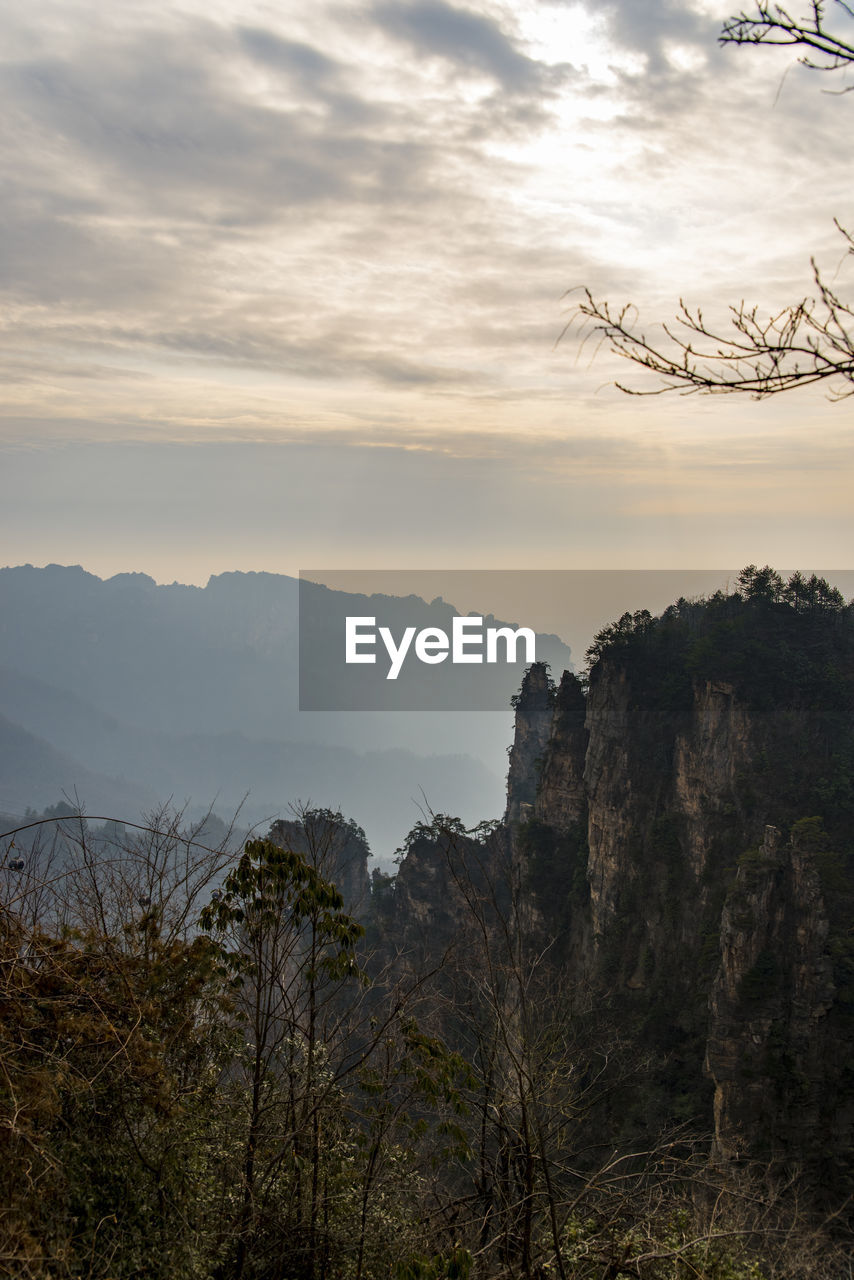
pixel 806 342
pixel 772 24
pixel 810 341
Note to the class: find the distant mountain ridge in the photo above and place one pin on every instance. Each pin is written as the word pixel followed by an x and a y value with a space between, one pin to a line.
pixel 32 767
pixel 192 693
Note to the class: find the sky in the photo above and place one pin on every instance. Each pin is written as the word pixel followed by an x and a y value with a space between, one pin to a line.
pixel 285 284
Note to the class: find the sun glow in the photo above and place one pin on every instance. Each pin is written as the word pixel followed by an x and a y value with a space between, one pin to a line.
pixel 559 34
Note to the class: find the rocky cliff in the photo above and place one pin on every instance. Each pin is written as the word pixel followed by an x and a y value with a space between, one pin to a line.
pixel 336 847
pixel 711 775
pixel 778 1042
pixel 534 711
pixel 683 834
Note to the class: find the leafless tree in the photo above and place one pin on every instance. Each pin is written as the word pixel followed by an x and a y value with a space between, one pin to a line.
pixel 772 24
pixel 811 340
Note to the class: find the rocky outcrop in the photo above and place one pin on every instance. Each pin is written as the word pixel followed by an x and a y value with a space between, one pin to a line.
pixel 663 849
pixel 430 910
pixel 336 847
pixel 710 756
pixel 721 959
pixel 534 712
pixel 561 798
pixel 768 1050
pixel 665 814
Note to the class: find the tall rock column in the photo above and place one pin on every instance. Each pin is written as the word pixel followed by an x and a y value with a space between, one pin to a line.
pixel 534 710
pixel 562 799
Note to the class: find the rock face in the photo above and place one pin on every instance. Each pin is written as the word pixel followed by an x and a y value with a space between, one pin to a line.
pixel 336 847
pixel 684 831
pixel 561 798
pixel 665 819
pixel 433 890
pixel 705 922
pixel 534 709
pixel 770 1047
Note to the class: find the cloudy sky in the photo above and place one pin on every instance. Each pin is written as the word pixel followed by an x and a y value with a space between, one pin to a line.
pixel 283 285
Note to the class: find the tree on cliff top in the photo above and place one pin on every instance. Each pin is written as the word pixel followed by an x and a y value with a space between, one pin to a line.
pixel 809 341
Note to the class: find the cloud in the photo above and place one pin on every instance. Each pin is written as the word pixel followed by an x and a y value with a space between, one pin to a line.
pixel 165 132
pixel 293 57
pixel 163 205
pixel 654 28
pixel 354 224
pixel 467 40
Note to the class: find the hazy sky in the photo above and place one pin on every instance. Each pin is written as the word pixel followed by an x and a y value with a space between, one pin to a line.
pixel 282 285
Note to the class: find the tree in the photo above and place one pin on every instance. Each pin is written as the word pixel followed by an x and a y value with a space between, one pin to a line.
pixel 110 1053
pixel 809 341
pixel 292 946
pixel 114 1035
pixel 544 1061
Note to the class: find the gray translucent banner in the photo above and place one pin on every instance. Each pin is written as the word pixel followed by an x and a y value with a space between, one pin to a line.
pixel 412 641
pixel 459 639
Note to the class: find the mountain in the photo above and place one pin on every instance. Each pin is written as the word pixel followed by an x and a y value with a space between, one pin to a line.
pixel 682 833
pixel 609 1034
pixel 194 694
pixel 32 768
